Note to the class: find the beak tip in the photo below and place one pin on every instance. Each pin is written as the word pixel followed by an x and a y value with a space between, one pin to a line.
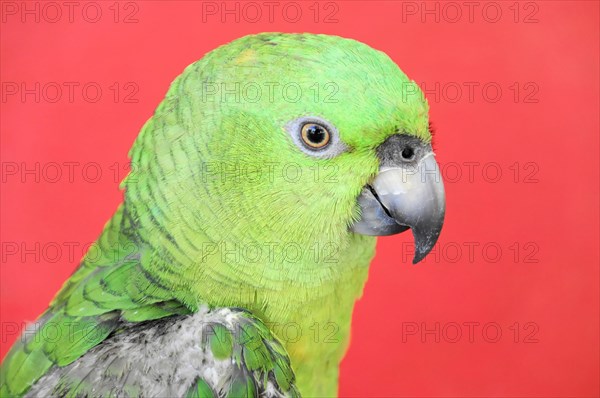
pixel 419 257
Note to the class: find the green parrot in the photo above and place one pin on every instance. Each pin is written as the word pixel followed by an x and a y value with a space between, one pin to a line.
pixel 249 220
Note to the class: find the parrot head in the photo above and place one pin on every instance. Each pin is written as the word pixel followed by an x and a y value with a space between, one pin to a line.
pixel 288 137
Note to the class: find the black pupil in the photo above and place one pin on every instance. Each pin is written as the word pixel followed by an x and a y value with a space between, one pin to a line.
pixel 315 134
pixel 408 152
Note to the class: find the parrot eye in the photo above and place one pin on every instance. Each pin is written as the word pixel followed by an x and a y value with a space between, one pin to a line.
pixel 315 135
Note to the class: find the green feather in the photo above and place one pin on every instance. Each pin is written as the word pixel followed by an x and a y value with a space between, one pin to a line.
pixel 200 389
pixel 221 342
pixel 242 387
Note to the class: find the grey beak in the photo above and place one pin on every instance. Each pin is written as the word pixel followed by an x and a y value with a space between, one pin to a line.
pixel 406 193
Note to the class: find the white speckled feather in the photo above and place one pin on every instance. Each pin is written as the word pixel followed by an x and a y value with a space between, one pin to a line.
pixel 160 358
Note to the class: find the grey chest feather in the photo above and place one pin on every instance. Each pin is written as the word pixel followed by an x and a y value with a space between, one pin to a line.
pixel 167 358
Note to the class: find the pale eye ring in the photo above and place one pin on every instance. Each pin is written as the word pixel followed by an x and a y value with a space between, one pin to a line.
pixel 315 135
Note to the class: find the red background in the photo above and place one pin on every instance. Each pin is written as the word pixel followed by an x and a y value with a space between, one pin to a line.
pixel 549 210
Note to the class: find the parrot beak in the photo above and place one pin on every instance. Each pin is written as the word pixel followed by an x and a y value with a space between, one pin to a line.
pixel 408 192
